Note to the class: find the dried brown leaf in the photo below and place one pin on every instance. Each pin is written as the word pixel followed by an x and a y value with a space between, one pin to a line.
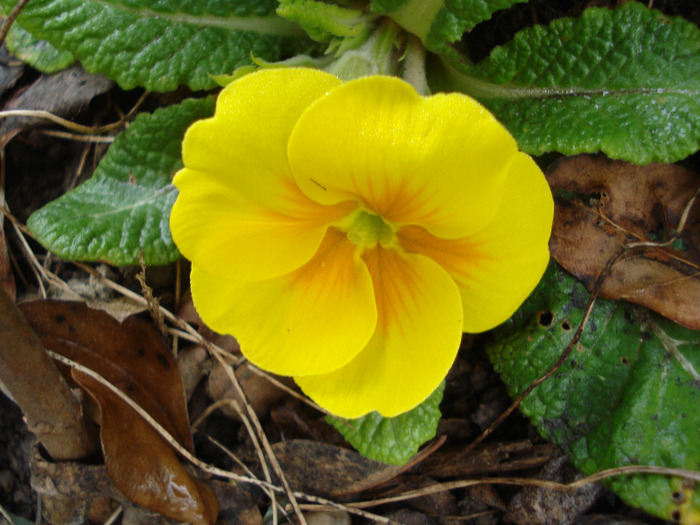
pixel 133 357
pixel 604 206
pixel 142 465
pixel 7 279
pixel 65 94
pixel 328 470
pixel 491 458
pixel 540 506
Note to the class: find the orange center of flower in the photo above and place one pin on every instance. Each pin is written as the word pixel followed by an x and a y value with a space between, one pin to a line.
pixel 368 229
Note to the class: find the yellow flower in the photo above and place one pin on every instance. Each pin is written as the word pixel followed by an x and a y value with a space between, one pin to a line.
pixel 348 233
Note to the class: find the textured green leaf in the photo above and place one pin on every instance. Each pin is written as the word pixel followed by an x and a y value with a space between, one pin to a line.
pixel 438 22
pixel 323 21
pixel 629 393
pixel 124 209
pixel 37 53
pixel 395 439
pixel 161 45
pixel 624 81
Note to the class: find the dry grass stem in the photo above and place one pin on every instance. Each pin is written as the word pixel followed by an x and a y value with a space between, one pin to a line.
pixel 114 517
pixel 531 482
pixel 5 515
pixel 231 455
pixel 10 19
pixel 204 467
pixel 99 139
pixel 253 418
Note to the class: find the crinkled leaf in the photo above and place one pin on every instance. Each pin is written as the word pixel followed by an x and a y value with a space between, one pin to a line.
pixel 124 209
pixel 37 53
pixel 392 439
pixel 161 45
pixel 438 22
pixel 323 21
pixel 133 357
pixel 629 393
pixel 624 81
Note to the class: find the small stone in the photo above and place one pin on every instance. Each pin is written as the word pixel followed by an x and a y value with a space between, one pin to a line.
pixel 328 518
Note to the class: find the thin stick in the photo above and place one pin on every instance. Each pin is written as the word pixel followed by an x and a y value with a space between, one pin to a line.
pixel 47 115
pixel 562 358
pixel 230 454
pixel 113 518
pixel 7 24
pixel 279 384
pixel 263 439
pixel 530 482
pixel 259 452
pixel 78 138
pixel 209 469
pixel 5 515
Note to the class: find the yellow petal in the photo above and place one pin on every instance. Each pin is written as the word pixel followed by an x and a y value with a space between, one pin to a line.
pixel 419 328
pixel 226 234
pixel 436 161
pixel 245 144
pixel 239 211
pixel 497 268
pixel 311 321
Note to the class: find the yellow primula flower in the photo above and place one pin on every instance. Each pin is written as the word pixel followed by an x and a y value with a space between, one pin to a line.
pixel 347 233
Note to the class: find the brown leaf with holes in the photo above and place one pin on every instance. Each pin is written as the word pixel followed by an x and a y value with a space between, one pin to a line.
pixel 133 357
pixel 604 206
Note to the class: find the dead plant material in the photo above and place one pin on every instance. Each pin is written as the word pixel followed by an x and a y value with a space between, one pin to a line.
pixel 491 458
pixel 53 413
pixel 603 206
pixel 61 95
pixel 134 358
pixel 328 470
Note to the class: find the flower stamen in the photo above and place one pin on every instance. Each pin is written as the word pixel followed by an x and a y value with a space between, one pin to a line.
pixel 368 229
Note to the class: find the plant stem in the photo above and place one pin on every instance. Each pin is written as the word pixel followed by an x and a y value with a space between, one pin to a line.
pixel 414 66
pixel 11 18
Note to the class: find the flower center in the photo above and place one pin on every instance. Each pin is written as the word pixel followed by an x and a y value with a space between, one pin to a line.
pixel 367 229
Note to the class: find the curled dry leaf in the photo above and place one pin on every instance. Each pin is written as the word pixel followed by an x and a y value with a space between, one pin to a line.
pixel 603 206
pixel 133 357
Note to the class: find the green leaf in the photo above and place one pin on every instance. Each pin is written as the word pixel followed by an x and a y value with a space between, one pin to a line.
pixel 124 209
pixel 162 45
pixel 395 439
pixel 323 21
pixel 624 81
pixel 438 22
pixel 629 393
pixel 37 53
